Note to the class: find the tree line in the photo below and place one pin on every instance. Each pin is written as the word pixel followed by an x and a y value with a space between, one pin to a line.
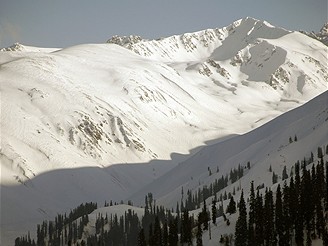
pixel 298 215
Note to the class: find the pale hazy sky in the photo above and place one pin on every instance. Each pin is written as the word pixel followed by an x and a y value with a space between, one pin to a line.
pixel 62 23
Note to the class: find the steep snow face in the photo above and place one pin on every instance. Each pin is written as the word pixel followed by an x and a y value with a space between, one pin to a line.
pixel 67 115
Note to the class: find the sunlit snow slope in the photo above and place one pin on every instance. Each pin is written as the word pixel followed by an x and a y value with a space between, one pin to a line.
pixel 94 105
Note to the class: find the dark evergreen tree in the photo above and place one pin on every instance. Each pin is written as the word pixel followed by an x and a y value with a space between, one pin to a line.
pixel 241 234
pixel 284 173
pixel 173 232
pixel 298 213
pixel 320 153
pixel 151 240
pixel 320 178
pixel 316 181
pixel 268 226
pixel 292 202
pixel 325 237
pixel 40 237
pixel 205 216
pixel 290 140
pixel 287 222
pixel 297 178
pixel 259 237
pixel 157 236
pixel 165 235
pixel 142 238
pixel 326 197
pixel 240 171
pixel 186 226
pixel 199 238
pixel 279 217
pixel 220 210
pixel 306 204
pixel 214 211
pixel 274 178
pixel 299 235
pixel 225 197
pixel 251 221
pixel 231 206
pixel 312 157
pixel 320 221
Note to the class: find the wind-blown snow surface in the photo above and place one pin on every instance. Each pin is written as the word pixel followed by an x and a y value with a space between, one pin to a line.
pixel 69 113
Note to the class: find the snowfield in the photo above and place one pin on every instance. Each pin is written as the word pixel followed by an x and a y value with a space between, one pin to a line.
pixel 74 120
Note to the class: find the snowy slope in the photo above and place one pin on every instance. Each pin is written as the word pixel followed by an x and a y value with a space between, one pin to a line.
pixel 68 115
pixel 265 146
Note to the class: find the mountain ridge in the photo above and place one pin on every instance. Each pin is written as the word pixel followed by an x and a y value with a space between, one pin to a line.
pixel 321 36
pixel 207 39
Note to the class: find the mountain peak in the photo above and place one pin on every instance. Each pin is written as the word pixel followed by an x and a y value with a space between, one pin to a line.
pixel 18 47
pixel 15 47
pixel 247 18
pixel 324 29
pixel 202 44
pixel 321 36
pixel 131 40
pixel 125 41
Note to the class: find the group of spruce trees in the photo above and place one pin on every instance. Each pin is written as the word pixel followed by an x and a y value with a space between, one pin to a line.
pixel 157 227
pixel 297 216
pixel 63 230
pixel 194 201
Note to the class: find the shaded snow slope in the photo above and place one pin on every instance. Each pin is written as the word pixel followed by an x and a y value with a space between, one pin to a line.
pixel 263 147
pixel 68 115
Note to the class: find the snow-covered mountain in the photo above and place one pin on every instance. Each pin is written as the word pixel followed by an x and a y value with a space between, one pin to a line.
pixel 68 115
pixel 102 104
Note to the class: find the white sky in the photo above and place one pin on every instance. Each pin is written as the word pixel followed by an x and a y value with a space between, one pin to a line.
pixel 64 23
